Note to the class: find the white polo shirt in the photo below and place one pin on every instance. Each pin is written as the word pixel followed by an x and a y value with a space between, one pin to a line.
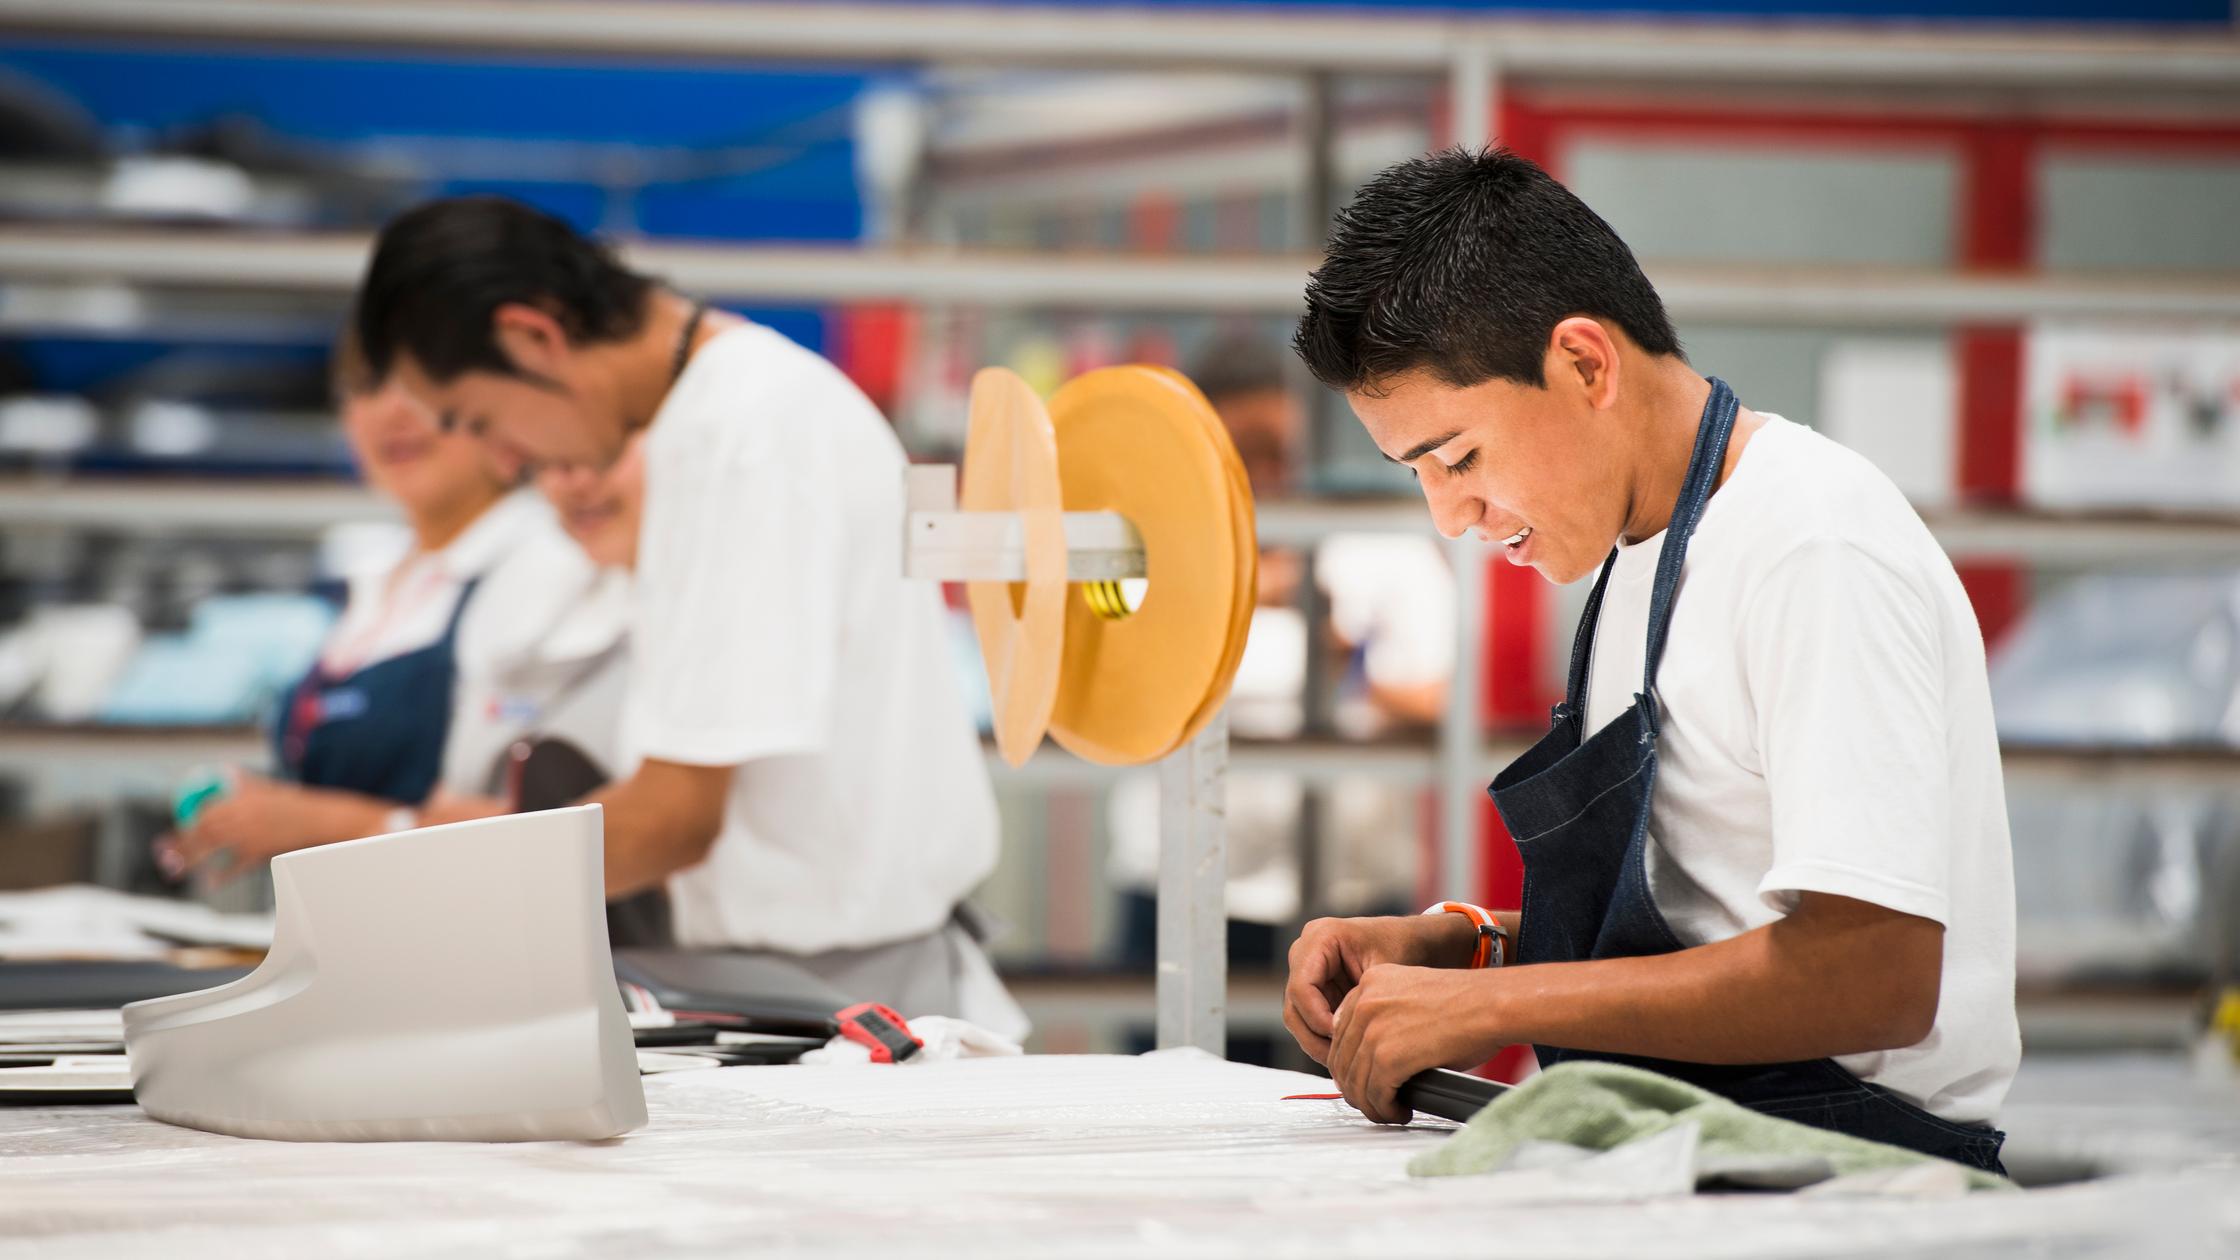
pixel 1826 727
pixel 568 683
pixel 774 631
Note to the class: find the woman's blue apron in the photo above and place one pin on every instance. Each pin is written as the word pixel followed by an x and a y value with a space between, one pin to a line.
pixel 1579 810
pixel 379 730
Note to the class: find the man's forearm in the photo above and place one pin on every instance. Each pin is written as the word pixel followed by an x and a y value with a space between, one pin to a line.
pixel 658 822
pixel 1841 984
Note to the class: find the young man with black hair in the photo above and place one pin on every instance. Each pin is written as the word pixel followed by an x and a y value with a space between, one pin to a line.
pixel 808 779
pixel 1765 844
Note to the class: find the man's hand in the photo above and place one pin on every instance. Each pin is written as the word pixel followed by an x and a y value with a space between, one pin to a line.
pixel 1332 955
pixel 1399 1021
pixel 1833 977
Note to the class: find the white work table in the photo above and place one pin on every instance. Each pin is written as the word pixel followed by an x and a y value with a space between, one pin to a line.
pixel 1169 1155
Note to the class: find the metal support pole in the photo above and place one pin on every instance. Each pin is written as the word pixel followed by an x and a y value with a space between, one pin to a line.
pixel 1317 201
pixel 1472 88
pixel 1461 727
pixel 1316 132
pixel 1193 881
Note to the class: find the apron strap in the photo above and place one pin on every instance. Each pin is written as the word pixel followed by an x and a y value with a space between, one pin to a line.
pixel 1582 643
pixel 459 610
pixel 1710 455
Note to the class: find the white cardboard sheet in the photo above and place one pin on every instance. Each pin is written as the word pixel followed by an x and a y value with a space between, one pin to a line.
pixel 1173 1154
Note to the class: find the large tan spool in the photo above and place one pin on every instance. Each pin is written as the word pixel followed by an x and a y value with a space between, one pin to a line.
pixel 1143 442
pixel 1012 466
pixel 1244 527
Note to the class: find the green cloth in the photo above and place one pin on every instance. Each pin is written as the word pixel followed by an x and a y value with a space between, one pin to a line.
pixel 1600 1106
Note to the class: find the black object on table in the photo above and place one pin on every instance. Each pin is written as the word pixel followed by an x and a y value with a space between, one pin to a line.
pixel 79 985
pixel 756 992
pixel 1449 1095
pixel 63 1095
pixel 549 773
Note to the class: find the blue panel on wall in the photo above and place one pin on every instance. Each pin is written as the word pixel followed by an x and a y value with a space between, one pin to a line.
pixel 737 153
pixel 76 365
pixel 805 327
pixel 333 97
pixel 733 153
pixel 2207 12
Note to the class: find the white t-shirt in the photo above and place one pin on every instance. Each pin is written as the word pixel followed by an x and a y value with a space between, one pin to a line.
pixel 567 685
pixel 517 660
pixel 1827 728
pixel 774 631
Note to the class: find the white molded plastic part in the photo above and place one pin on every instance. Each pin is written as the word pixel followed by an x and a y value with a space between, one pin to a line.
pixel 447 984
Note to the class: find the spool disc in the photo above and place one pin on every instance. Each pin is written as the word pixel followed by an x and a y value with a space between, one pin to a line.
pixel 1246 529
pixel 1011 465
pixel 1142 442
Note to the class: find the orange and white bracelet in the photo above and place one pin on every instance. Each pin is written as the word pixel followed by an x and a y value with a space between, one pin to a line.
pixel 1492 949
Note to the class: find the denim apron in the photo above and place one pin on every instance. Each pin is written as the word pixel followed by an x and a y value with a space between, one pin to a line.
pixel 378 730
pixel 1578 807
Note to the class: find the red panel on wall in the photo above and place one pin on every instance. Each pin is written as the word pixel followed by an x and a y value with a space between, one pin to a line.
pixel 1516 697
pixel 1516 645
pixel 1155 223
pixel 1500 870
pixel 871 343
pixel 1998 232
pixel 1999 591
pixel 1990 413
pixel 1998 201
pixel 1522 127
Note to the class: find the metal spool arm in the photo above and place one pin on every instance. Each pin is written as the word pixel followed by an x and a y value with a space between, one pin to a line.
pixel 946 545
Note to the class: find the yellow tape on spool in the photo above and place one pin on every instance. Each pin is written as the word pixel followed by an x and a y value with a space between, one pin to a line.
pixel 1141 441
pixel 1011 465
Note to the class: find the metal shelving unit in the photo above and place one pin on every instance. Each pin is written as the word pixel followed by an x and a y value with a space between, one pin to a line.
pixel 1820 54
pixel 283 507
pixel 329 265
pixel 295 507
pixel 83 753
pixel 1475 59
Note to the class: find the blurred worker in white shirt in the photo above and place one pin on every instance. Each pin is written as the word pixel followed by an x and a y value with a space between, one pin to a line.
pixel 806 778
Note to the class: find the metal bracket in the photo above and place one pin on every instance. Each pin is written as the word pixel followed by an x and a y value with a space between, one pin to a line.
pixel 1193 994
pixel 943 544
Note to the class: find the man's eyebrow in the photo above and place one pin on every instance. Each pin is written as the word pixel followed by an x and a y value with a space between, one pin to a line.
pixel 1422 449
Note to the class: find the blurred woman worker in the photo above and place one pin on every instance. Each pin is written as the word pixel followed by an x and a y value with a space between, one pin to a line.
pixel 484 630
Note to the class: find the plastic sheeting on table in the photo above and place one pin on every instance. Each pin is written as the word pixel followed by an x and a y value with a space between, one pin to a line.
pixel 1172 1154
pixel 83 921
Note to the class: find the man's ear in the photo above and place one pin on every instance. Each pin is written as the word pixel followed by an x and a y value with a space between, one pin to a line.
pixel 506 462
pixel 1582 356
pixel 531 339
